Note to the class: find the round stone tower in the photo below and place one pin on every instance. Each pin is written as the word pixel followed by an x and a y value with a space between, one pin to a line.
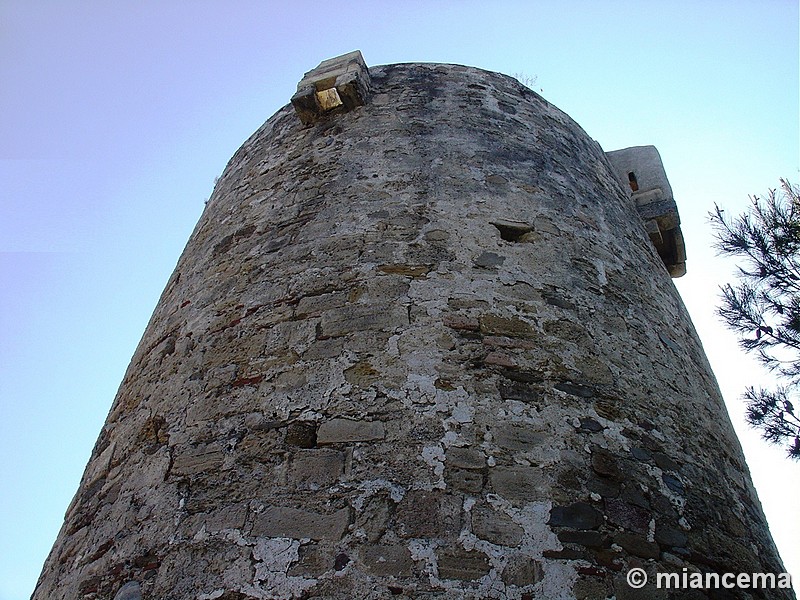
pixel 422 343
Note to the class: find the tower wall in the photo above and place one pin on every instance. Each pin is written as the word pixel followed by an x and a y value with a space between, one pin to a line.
pixel 421 348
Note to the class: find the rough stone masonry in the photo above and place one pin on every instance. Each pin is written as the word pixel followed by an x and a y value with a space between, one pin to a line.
pixel 420 344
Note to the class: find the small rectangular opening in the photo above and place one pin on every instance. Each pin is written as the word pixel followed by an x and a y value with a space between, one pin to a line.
pixel 632 182
pixel 329 99
pixel 512 231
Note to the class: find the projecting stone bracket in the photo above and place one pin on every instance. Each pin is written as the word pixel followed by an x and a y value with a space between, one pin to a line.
pixel 640 170
pixel 336 85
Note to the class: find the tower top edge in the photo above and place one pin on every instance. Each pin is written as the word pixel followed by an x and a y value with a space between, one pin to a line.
pixel 343 83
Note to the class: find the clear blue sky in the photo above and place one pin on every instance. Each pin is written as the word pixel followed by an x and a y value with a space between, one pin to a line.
pixel 115 118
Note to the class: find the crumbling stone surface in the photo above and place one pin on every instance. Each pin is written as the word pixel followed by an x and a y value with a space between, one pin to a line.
pixel 423 347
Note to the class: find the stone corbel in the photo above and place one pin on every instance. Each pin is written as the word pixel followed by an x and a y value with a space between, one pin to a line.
pixel 336 85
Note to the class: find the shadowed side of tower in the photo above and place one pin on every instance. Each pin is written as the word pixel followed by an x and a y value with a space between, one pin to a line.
pixel 421 346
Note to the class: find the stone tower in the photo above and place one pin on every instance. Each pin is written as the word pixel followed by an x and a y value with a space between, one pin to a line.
pixel 423 342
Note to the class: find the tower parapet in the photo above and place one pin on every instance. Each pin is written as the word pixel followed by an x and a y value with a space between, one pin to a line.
pixel 640 169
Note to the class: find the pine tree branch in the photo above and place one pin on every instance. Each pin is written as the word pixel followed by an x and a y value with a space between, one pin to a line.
pixel 764 308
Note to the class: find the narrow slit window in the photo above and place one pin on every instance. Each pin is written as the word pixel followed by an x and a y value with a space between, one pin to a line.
pixel 632 182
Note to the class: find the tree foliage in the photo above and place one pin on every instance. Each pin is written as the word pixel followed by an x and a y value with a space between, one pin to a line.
pixel 763 307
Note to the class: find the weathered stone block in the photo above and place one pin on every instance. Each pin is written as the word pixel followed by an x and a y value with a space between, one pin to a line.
pixel 190 461
pixel 314 469
pixel 317 304
pixel 522 571
pixel 462 480
pixel 386 286
pixel 466 458
pixel 665 462
pixel 130 591
pixel 637 545
pixel 633 494
pixel 566 330
pixel 575 389
pixel 457 563
pixel 499 341
pixel 227 517
pixel 510 327
pixel 413 271
pixel 337 431
pixel 589 539
pixel 590 588
pixel 283 521
pixel 501 359
pixel 462 322
pixel 424 514
pixel 99 466
pixel 628 516
pixel 519 484
pixel 382 560
pixel 373 517
pixel 609 558
pixel 589 425
pixel 623 591
pixel 566 554
pixel 524 391
pixel 257 446
pixel 362 317
pixel 489 260
pixel 302 434
pixel 518 437
pixel 312 560
pixel 605 464
pixel 361 374
pixel 495 527
pixel 576 516
pixel 326 348
pixel 607 488
pixel 341 561
pixel 670 536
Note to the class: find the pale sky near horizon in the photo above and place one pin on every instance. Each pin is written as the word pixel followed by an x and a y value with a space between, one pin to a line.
pixel 115 119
